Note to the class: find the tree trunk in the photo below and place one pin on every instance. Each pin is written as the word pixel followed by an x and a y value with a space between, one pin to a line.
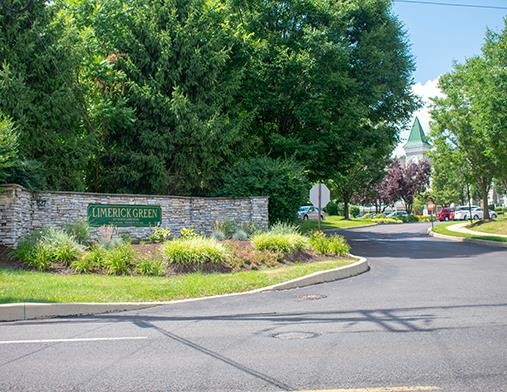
pixel 346 208
pixel 484 195
pixel 484 184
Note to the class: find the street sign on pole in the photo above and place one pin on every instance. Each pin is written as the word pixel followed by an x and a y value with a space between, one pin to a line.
pixel 320 196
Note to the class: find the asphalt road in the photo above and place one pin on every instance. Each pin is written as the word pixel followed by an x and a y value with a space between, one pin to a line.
pixel 430 315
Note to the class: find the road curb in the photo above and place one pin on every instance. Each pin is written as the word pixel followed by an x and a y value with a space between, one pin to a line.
pixel 467 240
pixel 29 310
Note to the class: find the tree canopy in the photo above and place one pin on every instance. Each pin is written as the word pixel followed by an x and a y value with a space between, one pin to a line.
pixel 165 97
pixel 470 121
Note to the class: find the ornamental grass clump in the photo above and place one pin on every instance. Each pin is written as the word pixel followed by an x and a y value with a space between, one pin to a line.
pixel 334 245
pixel 195 252
pixel 151 267
pixel 284 228
pixel 91 261
pixel 286 244
pixel 120 260
pixel 41 249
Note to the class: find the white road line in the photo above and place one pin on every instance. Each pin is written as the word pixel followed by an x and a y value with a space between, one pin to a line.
pixel 71 340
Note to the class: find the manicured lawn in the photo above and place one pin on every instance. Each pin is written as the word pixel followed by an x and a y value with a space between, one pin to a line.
pixel 495 227
pixel 333 222
pixel 28 286
pixel 442 229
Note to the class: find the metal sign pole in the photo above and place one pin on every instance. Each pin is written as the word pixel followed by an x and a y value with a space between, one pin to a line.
pixel 320 193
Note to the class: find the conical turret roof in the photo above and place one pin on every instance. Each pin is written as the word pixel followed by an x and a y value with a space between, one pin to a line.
pixel 417 137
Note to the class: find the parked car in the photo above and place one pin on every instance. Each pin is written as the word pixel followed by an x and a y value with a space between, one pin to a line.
pixel 446 214
pixel 463 212
pixel 478 213
pixel 397 214
pixel 310 212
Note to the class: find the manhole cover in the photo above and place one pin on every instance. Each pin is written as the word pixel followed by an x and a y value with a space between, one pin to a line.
pixel 295 335
pixel 311 297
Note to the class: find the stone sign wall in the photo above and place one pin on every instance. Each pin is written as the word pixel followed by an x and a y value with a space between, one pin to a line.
pixel 22 211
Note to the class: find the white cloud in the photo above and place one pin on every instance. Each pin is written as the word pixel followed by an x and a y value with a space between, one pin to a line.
pixel 425 92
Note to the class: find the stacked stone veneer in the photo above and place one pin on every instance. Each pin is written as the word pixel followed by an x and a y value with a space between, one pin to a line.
pixel 22 211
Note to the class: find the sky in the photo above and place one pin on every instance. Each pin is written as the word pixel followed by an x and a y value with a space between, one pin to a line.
pixel 440 36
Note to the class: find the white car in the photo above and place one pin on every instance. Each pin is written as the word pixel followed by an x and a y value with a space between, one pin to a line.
pixel 310 212
pixel 463 213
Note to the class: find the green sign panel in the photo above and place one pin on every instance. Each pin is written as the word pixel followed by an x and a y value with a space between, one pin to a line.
pixel 124 215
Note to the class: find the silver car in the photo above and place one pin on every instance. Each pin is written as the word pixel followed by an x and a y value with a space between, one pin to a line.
pixel 310 212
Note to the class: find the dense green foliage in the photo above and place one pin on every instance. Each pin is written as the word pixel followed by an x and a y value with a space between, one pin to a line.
pixel 167 97
pixel 334 245
pixel 470 121
pixel 282 180
pixel 40 92
pixel 8 147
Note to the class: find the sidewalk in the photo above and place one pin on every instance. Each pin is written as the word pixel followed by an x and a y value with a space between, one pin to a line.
pixel 461 228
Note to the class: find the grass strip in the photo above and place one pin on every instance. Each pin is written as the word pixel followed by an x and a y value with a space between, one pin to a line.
pixel 494 227
pixel 442 228
pixel 333 222
pixel 29 286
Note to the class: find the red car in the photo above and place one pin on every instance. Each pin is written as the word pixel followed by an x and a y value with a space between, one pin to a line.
pixel 446 214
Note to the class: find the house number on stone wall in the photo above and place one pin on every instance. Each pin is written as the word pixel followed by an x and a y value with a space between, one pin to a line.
pixel 124 215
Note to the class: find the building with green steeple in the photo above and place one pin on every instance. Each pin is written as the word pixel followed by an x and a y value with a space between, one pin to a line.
pixel 417 144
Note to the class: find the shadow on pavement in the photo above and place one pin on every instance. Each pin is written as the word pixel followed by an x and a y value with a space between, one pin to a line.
pixel 407 319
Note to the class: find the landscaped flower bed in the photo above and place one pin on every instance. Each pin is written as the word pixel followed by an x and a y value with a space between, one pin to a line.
pixel 230 249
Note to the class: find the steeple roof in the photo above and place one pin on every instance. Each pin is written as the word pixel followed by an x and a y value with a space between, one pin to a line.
pixel 417 137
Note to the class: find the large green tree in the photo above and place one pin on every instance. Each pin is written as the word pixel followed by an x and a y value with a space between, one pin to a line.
pixel 169 72
pixel 470 121
pixel 39 90
pixel 328 83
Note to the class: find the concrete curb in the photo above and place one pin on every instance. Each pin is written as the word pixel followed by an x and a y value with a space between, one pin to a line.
pixel 29 311
pixel 339 273
pixel 468 240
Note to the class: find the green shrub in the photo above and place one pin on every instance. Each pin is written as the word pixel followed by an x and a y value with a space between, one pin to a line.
pixel 42 257
pixel 280 179
pixel 285 244
pixel 240 235
pixel 79 230
pixel 386 220
pixel 354 211
pixel 25 251
pixel 251 229
pixel 409 219
pixel 159 234
pixel 334 245
pixel 227 227
pixel 151 267
pixel 195 251
pixel 284 228
pixel 64 247
pixel 187 233
pixel 91 261
pixel 331 208
pixel 119 260
pixel 218 235
pixel 41 248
